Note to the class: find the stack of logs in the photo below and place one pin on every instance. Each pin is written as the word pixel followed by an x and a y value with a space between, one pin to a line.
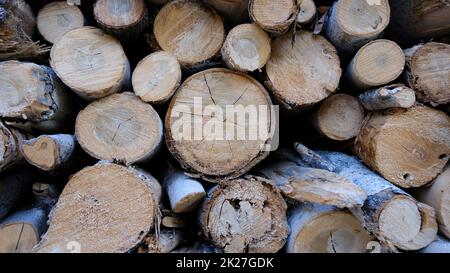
pixel 91 158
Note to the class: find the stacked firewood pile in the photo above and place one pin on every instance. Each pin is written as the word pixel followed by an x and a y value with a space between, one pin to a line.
pixel 114 138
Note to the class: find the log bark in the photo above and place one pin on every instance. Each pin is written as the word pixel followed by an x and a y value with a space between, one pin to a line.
pixel 416 139
pixel 96 208
pixel 389 213
pixel 245 215
pixel 307 12
pixel 275 17
pixel 125 19
pixel 10 140
pixel 247 48
pixel 121 128
pixel 428 72
pixel 198 36
pixel 325 229
pixel 339 117
pixel 234 11
pixel 90 62
pixel 437 195
pixel 57 18
pixel 33 98
pixel 318 186
pixel 304 72
pixel 157 77
pixel 15 185
pixel 206 137
pixel 440 245
pixel 49 152
pixel 164 242
pixel 377 63
pixel 353 23
pixel 391 96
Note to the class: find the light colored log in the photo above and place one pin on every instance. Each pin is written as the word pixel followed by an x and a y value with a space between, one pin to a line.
pixel 353 23
pixel 377 63
pixel 234 11
pixel 247 48
pixel 157 77
pixel 273 16
pixel 15 185
pixel 164 242
pixel 120 127
pixel 173 221
pixel 57 18
pixel 90 62
pixel 106 208
pixel 407 147
pixel 304 72
pixel 307 11
pixel 10 140
pixel 245 215
pixel 391 96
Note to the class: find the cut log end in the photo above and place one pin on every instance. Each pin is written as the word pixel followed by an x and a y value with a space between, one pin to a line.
pixel 307 12
pixel 273 16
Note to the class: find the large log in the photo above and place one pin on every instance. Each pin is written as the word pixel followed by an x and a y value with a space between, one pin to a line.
pixel 90 62
pixel 104 208
pixel 273 16
pixel 428 72
pixel 304 72
pixel 391 96
pixel 10 140
pixel 121 128
pixel 245 215
pixel 211 140
pixel 407 147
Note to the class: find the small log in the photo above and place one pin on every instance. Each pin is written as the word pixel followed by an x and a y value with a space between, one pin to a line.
pixel 307 12
pixel 353 23
pixel 416 139
pixel 318 186
pixel 164 242
pixel 428 72
pixel 33 98
pixel 22 230
pixel 15 185
pixel 339 117
pixel 377 63
pixel 246 48
pixel 325 229
pixel 437 195
pixel 49 152
pixel 10 140
pixel 121 128
pixel 245 215
pixel 96 208
pixel 273 16
pixel 125 19
pixel 157 77
pixel 96 66
pixel 57 18
pixel 234 11
pixel 440 245
pixel 304 72
pixel 173 221
pixel 391 96
pixel 198 36
pixel 217 154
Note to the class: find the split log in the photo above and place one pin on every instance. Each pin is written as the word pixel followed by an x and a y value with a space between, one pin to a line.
pixel 302 73
pixel 234 11
pixel 419 19
pixel 15 185
pixel 17 24
pixel 393 216
pixel 245 215
pixel 10 140
pixel 157 77
pixel 437 195
pixel 416 140
pixel 391 96
pixel 90 62
pixel 325 229
pixel 96 208
pixel 191 31
pixel 377 63
pixel 57 18
pixel 125 19
pixel 121 128
pixel 428 72
pixel 307 11
pixel 49 152
pixel 318 186
pixel 21 231
pixel 33 98
pixel 164 242
pixel 353 23
pixel 339 117
pixel 210 143
pixel 440 245
pixel 246 48
pixel 273 16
